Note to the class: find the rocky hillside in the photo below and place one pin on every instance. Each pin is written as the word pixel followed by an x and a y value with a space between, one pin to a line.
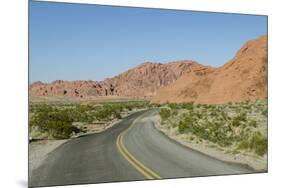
pixel 139 82
pixel 242 78
pixel 147 78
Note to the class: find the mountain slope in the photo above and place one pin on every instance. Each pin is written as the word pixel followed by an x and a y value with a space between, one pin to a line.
pixel 139 82
pixel 242 78
pixel 147 78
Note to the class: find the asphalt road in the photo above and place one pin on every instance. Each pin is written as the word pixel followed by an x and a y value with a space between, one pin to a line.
pixel 130 150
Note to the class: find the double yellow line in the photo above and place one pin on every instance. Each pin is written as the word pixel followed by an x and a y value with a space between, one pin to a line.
pixel 148 173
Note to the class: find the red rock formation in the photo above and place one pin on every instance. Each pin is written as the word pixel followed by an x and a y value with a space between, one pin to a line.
pixel 147 78
pixel 139 82
pixel 242 78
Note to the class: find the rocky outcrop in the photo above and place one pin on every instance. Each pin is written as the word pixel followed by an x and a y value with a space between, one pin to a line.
pixel 147 78
pixel 139 82
pixel 242 78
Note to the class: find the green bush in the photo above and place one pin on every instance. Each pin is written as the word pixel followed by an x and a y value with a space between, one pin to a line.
pixel 243 144
pixel 257 143
pixel 56 122
pixel 237 120
pixel 253 123
pixel 264 112
pixel 165 113
pixel 182 126
pixel 188 106
pixel 224 116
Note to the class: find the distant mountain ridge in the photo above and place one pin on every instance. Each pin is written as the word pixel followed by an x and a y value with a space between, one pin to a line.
pixel 242 78
pixel 139 82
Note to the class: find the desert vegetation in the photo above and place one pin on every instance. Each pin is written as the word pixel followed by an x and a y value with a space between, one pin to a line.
pixel 61 121
pixel 235 127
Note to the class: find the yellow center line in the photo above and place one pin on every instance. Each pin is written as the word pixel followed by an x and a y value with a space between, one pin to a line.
pixel 138 162
pixel 130 161
pixel 148 173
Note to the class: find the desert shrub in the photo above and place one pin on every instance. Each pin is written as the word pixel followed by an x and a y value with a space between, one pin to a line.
pixel 198 115
pixel 212 131
pixel 213 112
pixel 253 123
pixel 103 114
pixel 257 143
pixel 229 103
pixel 242 116
pixel 174 106
pixel 243 144
pixel 174 112
pixel 165 113
pixel 182 126
pixel 224 116
pixel 237 120
pixel 264 112
pixel 56 122
pixel 188 105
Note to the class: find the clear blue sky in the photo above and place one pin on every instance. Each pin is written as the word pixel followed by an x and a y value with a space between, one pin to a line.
pixel 90 42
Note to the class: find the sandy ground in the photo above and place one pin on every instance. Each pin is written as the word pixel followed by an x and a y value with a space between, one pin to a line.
pixel 259 164
pixel 75 100
pixel 39 150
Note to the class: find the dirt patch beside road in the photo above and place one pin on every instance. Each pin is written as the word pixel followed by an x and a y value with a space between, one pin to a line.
pixel 39 150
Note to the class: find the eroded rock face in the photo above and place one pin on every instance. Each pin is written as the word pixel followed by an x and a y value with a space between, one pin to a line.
pixel 139 82
pixel 242 78
pixel 147 78
pixel 66 88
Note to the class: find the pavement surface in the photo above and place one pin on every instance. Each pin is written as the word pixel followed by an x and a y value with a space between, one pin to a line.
pixel 131 150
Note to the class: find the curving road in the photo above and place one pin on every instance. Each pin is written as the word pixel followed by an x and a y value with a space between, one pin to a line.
pixel 130 150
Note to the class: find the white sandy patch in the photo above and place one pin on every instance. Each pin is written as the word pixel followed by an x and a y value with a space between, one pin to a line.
pixel 257 163
pixel 39 150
